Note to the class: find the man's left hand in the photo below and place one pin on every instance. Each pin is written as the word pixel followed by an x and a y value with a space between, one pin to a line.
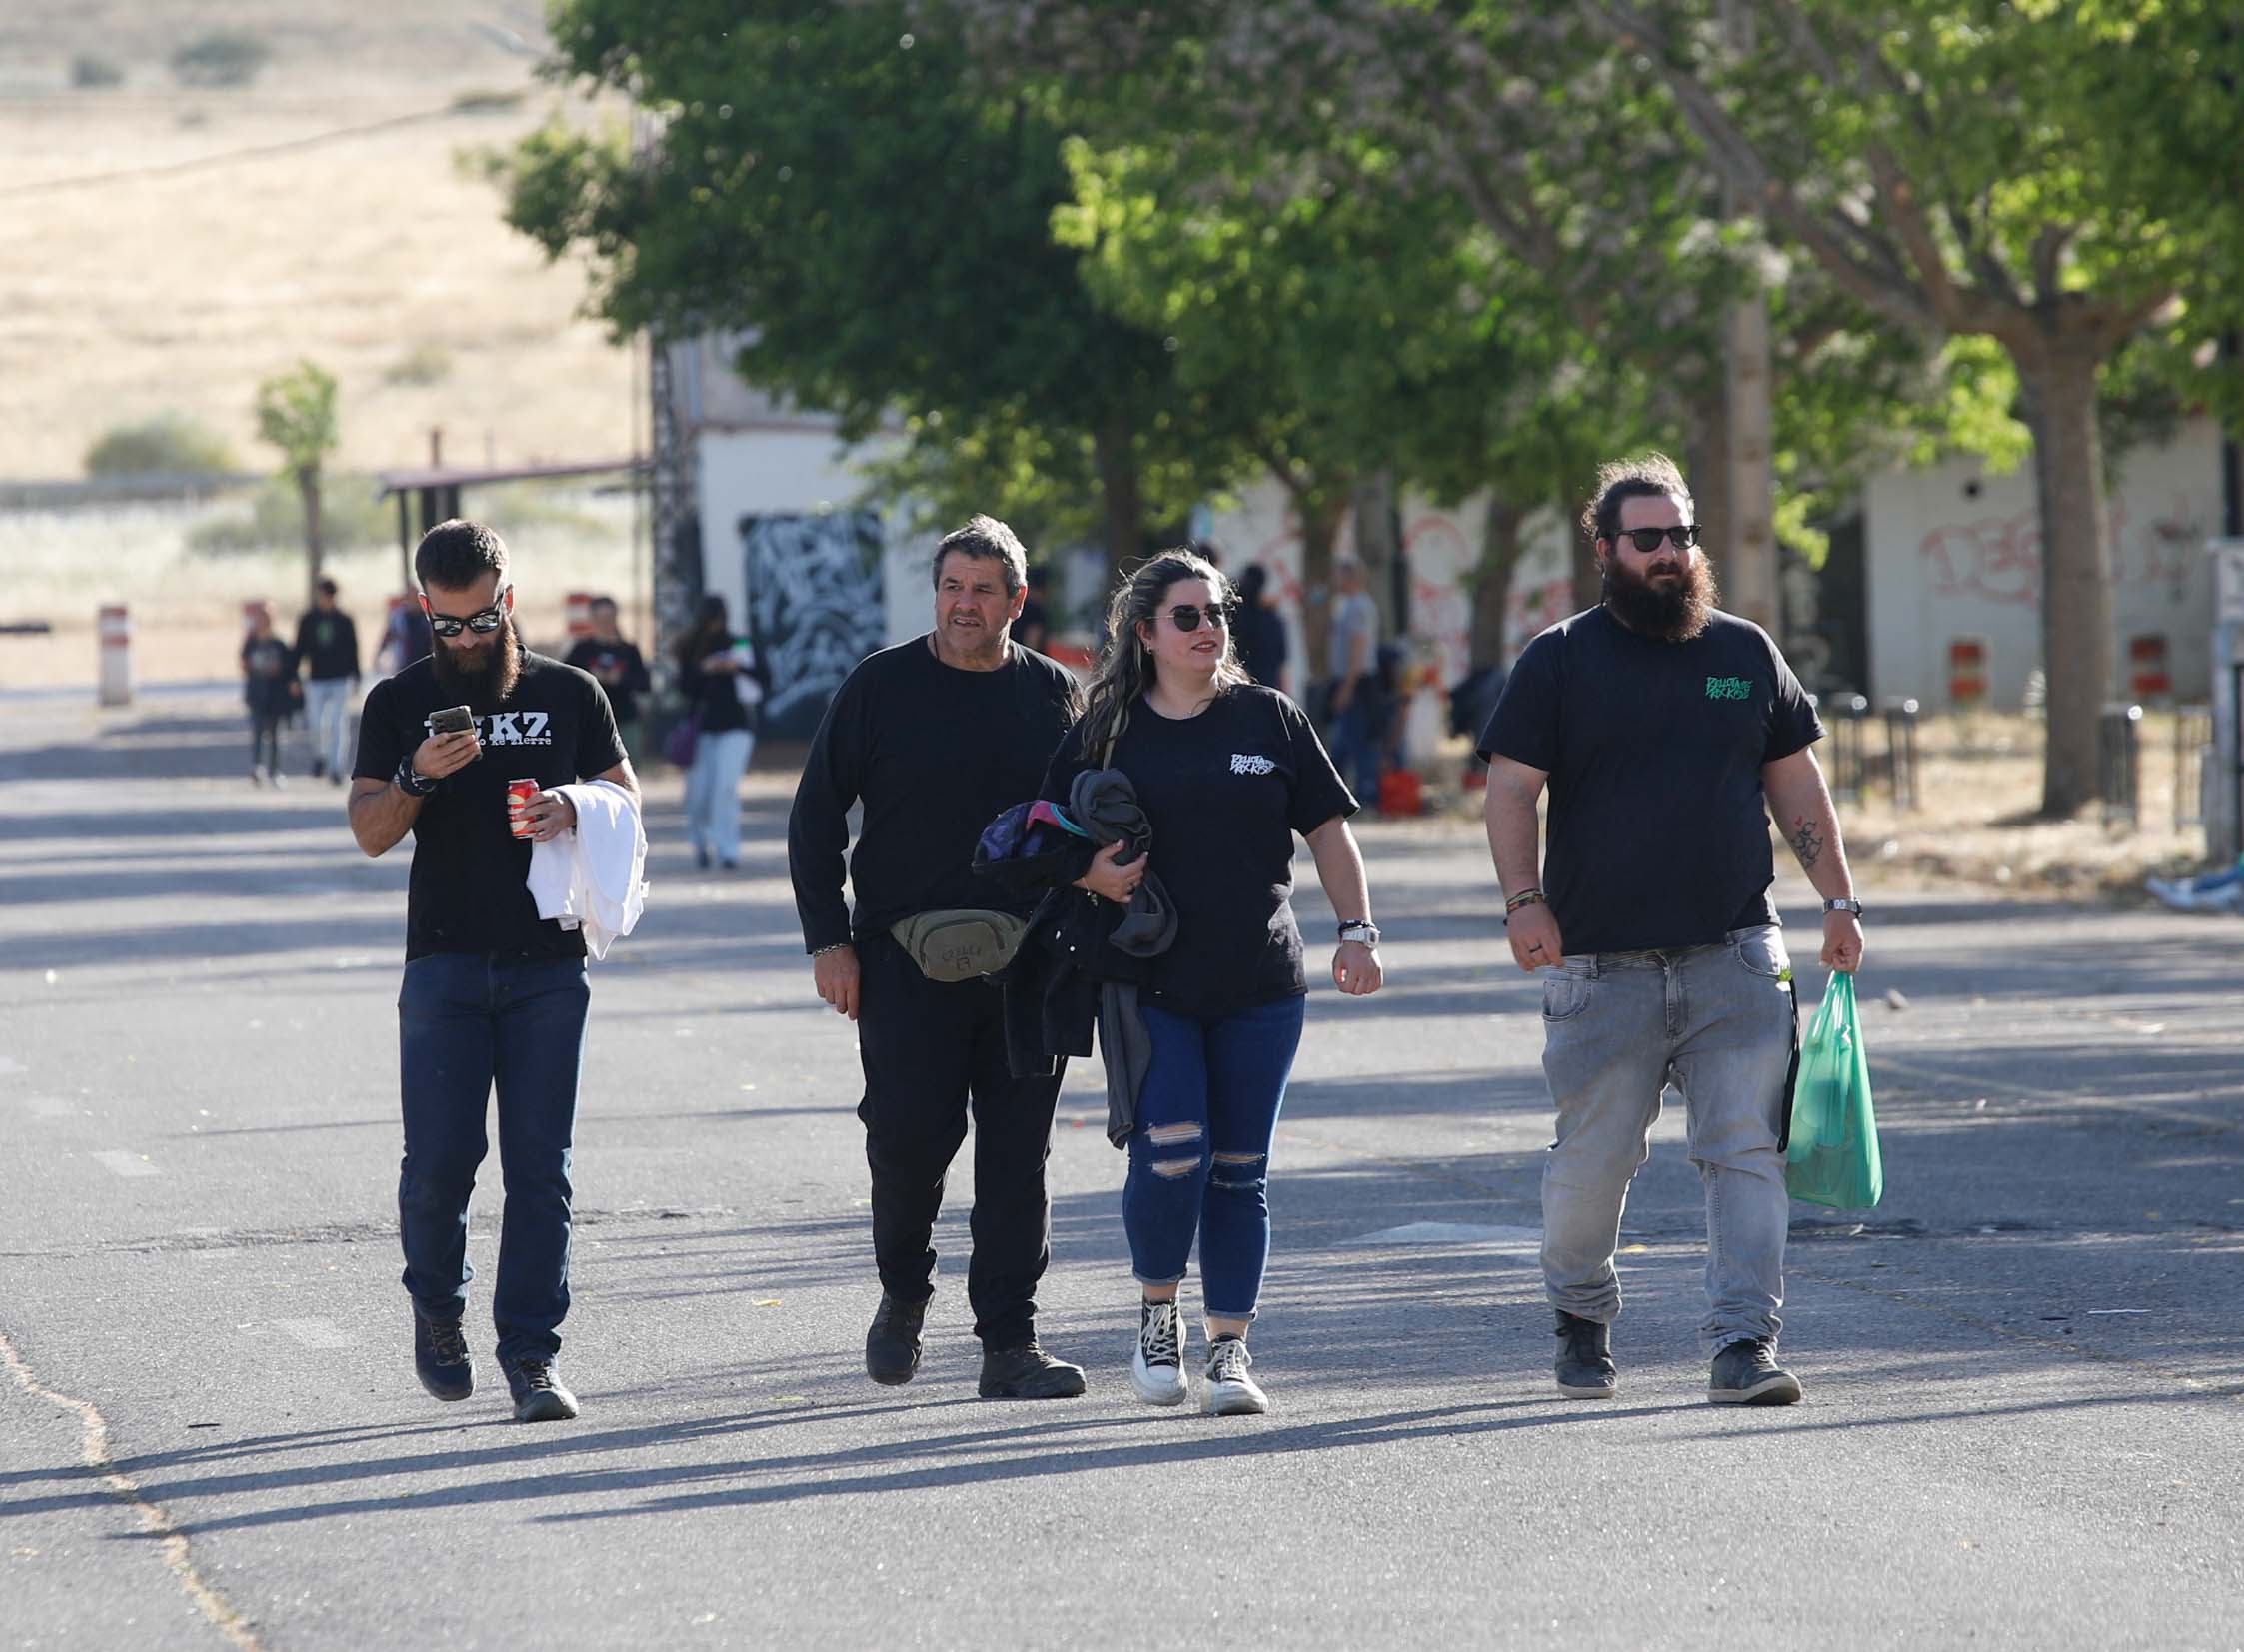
pixel 548 814
pixel 1842 942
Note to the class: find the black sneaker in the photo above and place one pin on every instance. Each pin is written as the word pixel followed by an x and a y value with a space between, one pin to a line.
pixel 319 767
pixel 440 1357
pixel 538 1393
pixel 1746 1374
pixel 1027 1372
pixel 892 1347
pixel 1585 1358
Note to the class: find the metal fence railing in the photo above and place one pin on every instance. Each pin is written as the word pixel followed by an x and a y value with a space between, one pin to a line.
pixel 2119 767
pixel 2193 739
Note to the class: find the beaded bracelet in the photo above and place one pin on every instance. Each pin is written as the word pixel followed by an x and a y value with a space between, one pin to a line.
pixel 1525 898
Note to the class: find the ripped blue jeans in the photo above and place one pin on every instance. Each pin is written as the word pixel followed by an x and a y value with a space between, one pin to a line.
pixel 1199 1160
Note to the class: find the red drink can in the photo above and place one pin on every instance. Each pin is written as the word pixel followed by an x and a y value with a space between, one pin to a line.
pixel 520 794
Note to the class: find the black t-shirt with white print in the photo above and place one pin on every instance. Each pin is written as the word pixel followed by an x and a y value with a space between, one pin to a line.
pixel 1659 832
pixel 470 886
pixel 1223 792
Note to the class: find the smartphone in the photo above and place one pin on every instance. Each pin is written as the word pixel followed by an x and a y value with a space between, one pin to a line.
pixel 453 719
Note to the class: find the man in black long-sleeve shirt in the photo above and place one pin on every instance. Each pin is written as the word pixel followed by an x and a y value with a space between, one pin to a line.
pixel 937 737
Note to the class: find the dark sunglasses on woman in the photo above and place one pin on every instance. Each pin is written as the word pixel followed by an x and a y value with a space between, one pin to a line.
pixel 1188 614
pixel 1647 539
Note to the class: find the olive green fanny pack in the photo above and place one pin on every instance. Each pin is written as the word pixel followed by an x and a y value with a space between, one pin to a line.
pixel 961 943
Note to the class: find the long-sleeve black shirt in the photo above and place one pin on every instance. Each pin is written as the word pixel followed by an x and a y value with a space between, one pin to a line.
pixel 935 753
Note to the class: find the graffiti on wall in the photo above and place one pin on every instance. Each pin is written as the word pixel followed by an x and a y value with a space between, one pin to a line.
pixel 1998 559
pixel 815 608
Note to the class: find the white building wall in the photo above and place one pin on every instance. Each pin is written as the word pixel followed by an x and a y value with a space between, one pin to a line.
pixel 1955 552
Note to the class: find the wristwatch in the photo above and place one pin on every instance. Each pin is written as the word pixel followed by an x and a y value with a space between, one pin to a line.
pixel 410 783
pixel 1357 929
pixel 1844 906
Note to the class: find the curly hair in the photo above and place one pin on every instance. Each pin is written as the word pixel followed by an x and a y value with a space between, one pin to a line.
pixel 1647 476
pixel 1125 665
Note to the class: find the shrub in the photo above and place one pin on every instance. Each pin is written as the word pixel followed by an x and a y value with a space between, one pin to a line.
pixel 351 518
pixel 170 444
pixel 426 364
pixel 89 70
pixel 224 57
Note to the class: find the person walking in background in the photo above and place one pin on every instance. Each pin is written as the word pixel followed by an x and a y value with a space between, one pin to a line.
pixel 936 737
pixel 1259 635
pixel 1226 772
pixel 723 684
pixel 406 638
pixel 615 666
pixel 1354 713
pixel 1669 733
pixel 268 668
pixel 327 649
pixel 1034 628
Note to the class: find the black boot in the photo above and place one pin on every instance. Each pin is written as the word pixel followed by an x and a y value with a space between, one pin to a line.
pixel 1027 1372
pixel 440 1357
pixel 1585 1358
pixel 538 1393
pixel 892 1347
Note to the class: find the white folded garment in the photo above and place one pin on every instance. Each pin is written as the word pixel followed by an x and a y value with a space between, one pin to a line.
pixel 592 876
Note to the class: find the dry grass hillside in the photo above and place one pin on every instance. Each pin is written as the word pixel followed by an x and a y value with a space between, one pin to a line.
pixel 126 291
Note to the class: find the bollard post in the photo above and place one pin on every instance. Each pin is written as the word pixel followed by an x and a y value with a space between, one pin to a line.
pixel 115 628
pixel 2119 766
pixel 1848 780
pixel 1901 750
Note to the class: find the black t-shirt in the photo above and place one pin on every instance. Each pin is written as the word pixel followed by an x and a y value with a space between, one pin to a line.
pixel 620 659
pixel 935 753
pixel 470 888
pixel 1223 792
pixel 1658 831
pixel 328 644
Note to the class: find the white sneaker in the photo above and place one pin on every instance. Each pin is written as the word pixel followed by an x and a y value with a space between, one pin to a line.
pixel 1231 1393
pixel 1156 1369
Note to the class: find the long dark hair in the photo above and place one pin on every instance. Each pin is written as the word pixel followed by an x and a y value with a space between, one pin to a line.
pixel 1125 667
pixel 713 625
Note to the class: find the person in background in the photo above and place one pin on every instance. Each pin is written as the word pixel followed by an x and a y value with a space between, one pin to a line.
pixel 1355 717
pixel 1260 634
pixel 407 637
pixel 327 649
pixel 723 684
pixel 615 666
pixel 268 667
pixel 1034 628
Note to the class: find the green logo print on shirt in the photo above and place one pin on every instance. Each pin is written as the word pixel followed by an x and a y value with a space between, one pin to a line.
pixel 1730 687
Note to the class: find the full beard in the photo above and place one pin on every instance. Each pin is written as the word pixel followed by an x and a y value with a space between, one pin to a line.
pixel 487 685
pixel 1673 613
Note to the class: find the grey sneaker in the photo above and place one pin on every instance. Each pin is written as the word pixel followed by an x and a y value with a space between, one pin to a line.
pixel 1229 1391
pixel 1585 1366
pixel 1746 1374
pixel 1156 1369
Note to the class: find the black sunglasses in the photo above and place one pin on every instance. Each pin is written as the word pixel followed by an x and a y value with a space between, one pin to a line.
pixel 1647 539
pixel 1188 614
pixel 490 619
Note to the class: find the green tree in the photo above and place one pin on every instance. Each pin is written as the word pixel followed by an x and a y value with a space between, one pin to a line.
pixel 1981 170
pixel 832 184
pixel 296 413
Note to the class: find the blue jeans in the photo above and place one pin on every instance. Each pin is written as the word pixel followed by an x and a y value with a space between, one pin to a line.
pixel 1717 1023
pixel 1355 737
pixel 712 793
pixel 467 1021
pixel 1199 1157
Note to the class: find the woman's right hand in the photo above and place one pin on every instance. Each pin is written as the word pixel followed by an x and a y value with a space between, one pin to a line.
pixel 1110 882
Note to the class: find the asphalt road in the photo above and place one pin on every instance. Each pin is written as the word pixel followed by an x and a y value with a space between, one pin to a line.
pixel 2026 1370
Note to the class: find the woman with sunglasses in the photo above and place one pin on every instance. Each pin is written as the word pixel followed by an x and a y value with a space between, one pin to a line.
pixel 723 684
pixel 1227 771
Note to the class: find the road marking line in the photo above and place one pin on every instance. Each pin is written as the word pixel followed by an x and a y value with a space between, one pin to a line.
pixel 120 1163
pixel 316 1333
pixel 93 1447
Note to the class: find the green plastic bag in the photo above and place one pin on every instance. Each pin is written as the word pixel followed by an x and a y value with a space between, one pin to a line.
pixel 1833 1157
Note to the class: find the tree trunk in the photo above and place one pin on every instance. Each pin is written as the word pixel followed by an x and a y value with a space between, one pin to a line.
pixel 1320 512
pixel 1114 450
pixel 2059 386
pixel 1709 468
pixel 1378 546
pixel 315 549
pixel 1491 581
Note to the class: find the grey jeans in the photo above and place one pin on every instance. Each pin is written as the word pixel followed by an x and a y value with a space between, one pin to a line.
pixel 1718 1023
